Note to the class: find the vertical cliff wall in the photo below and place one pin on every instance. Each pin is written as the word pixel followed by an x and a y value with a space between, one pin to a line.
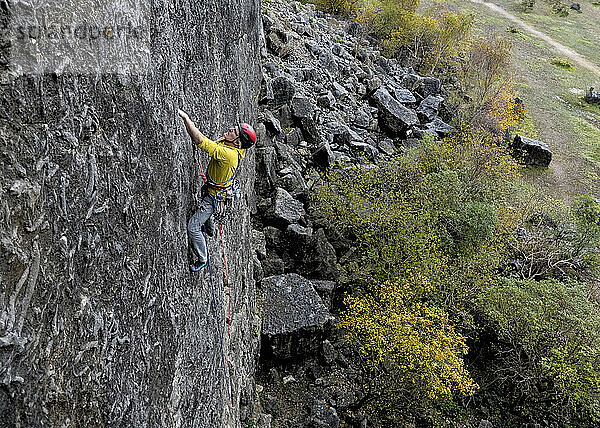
pixel 101 323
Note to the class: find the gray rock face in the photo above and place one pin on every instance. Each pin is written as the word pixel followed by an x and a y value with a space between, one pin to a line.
pixel 102 323
pixel 259 244
pixel 287 210
pixel 323 155
pixel 533 152
pixel 394 116
pixel 428 109
pixel 322 415
pixel 439 126
pixel 293 315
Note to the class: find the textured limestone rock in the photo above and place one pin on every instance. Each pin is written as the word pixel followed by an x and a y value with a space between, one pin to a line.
pixel 428 109
pixel 287 210
pixel 395 117
pixel 294 315
pixel 532 152
pixel 101 322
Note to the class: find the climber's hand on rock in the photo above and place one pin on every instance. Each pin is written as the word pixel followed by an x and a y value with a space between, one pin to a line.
pixel 183 114
pixel 190 127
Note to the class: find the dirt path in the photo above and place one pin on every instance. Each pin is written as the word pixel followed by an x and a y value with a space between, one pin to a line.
pixel 560 48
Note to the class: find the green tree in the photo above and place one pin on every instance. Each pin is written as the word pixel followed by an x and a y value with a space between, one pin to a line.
pixel 550 358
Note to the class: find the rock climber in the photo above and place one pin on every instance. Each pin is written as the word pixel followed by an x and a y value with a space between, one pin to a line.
pixel 225 155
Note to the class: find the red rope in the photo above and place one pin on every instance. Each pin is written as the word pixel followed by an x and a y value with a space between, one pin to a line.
pixel 202 173
pixel 228 364
pixel 226 277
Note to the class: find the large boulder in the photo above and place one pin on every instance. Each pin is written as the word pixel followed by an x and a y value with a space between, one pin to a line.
pixel 277 45
pixel 302 107
pixel 271 122
pixel 428 109
pixel 533 152
pixel 286 209
pixel 430 86
pixel 283 90
pixel 326 100
pixel 342 134
pixel 323 155
pixel 295 320
pixel 362 119
pixel 323 416
pixel 393 116
pixel 325 289
pixel 302 110
pixel 359 147
pixel 440 127
pixel 328 61
pixel 592 97
pixel 405 96
pixel 317 259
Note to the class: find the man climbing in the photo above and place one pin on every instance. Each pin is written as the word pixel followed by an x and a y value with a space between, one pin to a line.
pixel 225 154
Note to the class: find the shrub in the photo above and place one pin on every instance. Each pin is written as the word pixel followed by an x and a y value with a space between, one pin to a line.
pixel 452 32
pixel 563 63
pixel 435 39
pixel 333 7
pixel 483 73
pixel 551 355
pixel 408 343
pixel 555 241
pixel 427 228
pixel 526 5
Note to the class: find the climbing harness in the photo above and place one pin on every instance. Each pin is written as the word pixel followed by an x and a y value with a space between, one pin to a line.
pixel 214 299
pixel 225 193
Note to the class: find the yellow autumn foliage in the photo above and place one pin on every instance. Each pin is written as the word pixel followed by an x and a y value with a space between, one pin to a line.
pixel 410 336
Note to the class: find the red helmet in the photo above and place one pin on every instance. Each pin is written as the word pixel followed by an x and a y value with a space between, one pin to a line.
pixel 247 135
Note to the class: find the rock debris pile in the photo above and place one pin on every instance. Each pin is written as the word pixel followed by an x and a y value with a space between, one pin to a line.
pixel 328 97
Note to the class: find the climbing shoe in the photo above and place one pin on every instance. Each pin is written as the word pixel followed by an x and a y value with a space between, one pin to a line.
pixel 195 267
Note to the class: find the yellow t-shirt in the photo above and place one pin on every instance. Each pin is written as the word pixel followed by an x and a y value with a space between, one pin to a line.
pixel 223 160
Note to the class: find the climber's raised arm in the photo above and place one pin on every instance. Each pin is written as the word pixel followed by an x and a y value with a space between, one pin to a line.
pixel 194 133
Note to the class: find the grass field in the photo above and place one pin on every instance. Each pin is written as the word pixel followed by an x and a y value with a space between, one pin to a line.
pixel 552 87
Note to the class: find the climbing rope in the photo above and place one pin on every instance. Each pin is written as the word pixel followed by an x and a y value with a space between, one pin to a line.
pixel 224 254
pixel 226 277
pixel 225 361
pixel 226 365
